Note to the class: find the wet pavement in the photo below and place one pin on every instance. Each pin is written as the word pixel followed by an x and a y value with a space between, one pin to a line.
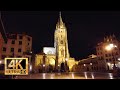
pixel 71 75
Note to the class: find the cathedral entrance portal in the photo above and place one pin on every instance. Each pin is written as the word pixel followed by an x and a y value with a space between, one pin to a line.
pixel 62 68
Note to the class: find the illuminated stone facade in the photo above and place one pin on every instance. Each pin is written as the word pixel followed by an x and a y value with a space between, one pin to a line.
pixel 17 45
pixel 92 64
pixel 58 54
pixel 109 56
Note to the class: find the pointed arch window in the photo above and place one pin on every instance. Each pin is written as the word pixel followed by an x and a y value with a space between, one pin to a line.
pixel 62 52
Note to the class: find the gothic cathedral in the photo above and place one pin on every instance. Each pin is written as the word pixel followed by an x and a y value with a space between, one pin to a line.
pixel 57 56
pixel 60 42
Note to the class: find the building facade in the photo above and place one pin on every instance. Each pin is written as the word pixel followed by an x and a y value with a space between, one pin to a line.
pixel 58 56
pixel 17 45
pixel 109 56
pixel 92 64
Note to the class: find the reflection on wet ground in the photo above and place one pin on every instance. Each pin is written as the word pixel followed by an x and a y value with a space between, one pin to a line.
pixel 71 75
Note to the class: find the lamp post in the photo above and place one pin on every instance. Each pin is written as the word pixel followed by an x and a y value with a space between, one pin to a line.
pixel 84 67
pixel 91 66
pixel 43 67
pixel 108 65
pixel 66 65
pixel 111 47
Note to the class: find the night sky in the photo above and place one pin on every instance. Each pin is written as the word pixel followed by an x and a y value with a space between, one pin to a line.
pixel 84 28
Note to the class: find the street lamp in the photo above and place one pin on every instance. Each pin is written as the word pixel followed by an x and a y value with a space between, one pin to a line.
pixel 91 66
pixel 110 47
pixel 90 63
pixel 84 64
pixel 43 67
pixel 0 62
pixel 30 68
pixel 118 59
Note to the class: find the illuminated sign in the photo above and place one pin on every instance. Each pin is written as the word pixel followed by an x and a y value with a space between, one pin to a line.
pixel 16 66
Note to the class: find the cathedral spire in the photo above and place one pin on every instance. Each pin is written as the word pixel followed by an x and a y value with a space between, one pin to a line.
pixel 60 22
pixel 60 19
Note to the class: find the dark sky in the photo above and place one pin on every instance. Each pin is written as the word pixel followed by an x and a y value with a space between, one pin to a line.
pixel 85 28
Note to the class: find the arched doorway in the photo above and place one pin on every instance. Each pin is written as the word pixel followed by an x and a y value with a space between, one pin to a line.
pixel 62 68
pixel 50 68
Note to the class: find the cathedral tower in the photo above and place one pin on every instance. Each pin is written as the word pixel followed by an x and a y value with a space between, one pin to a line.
pixel 61 42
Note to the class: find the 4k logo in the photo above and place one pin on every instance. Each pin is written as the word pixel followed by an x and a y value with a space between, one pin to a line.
pixel 16 66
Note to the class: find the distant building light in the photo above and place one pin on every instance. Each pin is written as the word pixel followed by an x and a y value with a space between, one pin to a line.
pixel 119 59
pixel 108 64
pixel 84 64
pixel 30 67
pixel 115 46
pixel 111 45
pixel 0 62
pixel 43 65
pixel 66 59
pixel 90 63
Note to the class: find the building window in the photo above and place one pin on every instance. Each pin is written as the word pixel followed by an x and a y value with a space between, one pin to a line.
pixel 19 56
pixel 3 56
pixel 10 56
pixel 113 59
pixel 12 49
pixel 116 53
pixel 4 49
pixel 115 48
pixel 98 53
pixel 106 55
pixel 110 60
pixel 28 39
pixel 20 37
pixel 61 42
pixel 98 48
pixel 106 60
pixel 20 42
pixel 101 58
pixel 13 41
pixel 109 55
pixel 19 50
